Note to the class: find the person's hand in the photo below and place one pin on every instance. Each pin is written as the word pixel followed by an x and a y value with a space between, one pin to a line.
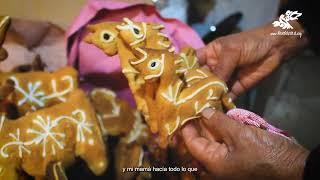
pixel 254 54
pixel 231 150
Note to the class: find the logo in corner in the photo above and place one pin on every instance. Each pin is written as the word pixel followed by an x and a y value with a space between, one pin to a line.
pixel 284 19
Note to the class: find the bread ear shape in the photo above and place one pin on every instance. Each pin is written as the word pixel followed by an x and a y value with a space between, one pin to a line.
pixel 4 26
pixel 92 28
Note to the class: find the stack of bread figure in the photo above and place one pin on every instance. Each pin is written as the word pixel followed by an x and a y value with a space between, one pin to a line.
pixel 170 89
pixel 45 122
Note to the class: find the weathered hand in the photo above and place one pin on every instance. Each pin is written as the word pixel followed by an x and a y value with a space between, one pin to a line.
pixel 231 150
pixel 254 54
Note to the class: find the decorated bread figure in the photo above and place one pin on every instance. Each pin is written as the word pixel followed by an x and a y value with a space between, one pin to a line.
pixel 57 134
pixel 4 25
pixel 186 67
pixel 36 90
pixel 170 101
pixel 115 116
pixel 132 35
pixel 7 88
pixel 105 36
pixel 111 44
pixel 135 36
pixel 161 81
pixel 136 146
pixel 157 75
pixel 138 36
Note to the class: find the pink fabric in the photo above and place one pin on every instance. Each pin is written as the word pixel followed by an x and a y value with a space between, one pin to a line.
pixel 91 60
pixel 250 118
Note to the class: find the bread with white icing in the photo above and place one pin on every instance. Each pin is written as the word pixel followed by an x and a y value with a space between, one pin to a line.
pixel 37 90
pixel 56 134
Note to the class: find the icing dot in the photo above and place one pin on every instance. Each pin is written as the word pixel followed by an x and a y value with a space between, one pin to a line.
pixel 91 142
pixel 153 64
pixel 136 31
pixel 213 28
pixel 101 164
pixel 106 36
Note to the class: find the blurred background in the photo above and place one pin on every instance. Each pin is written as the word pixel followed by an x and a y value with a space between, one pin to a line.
pixel 289 98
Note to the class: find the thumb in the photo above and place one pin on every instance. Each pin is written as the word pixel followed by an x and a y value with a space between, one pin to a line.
pixel 201 148
pixel 221 126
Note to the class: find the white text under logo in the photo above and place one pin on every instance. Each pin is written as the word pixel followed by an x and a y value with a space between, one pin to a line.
pixel 284 23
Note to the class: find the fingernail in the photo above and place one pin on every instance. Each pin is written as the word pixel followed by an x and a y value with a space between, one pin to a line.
pixel 207 113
